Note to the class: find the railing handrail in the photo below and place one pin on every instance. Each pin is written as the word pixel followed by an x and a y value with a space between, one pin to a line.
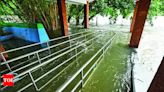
pixel 42 58
pixel 35 44
pixel 29 70
pixel 32 53
pixel 48 61
pixel 61 88
pixel 34 81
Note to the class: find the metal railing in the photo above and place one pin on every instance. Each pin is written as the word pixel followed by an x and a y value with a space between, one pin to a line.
pixel 36 80
pixel 35 53
pixel 24 47
pixel 29 71
pixel 80 71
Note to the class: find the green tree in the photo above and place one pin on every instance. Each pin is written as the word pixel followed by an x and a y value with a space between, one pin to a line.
pixel 156 9
pixel 105 8
pixel 33 11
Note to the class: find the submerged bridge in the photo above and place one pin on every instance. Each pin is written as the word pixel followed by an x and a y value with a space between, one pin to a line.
pixel 75 56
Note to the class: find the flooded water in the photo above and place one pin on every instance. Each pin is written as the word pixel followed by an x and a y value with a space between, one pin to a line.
pixel 112 74
pixel 75 65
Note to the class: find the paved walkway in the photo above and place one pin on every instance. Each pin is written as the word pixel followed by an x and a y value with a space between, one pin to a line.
pixel 150 54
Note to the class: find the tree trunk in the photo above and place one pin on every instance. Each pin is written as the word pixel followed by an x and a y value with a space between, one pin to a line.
pixel 77 20
pixel 89 19
pixel 69 18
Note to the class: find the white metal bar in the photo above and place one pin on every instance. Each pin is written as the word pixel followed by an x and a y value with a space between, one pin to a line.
pixel 77 46
pixel 69 42
pixel 98 59
pixel 20 90
pixel 48 61
pixel 87 74
pixel 55 76
pixel 23 56
pixel 57 52
pixel 25 66
pixel 36 61
pixel 58 73
pixel 56 68
pixel 63 54
pixel 91 69
pixel 38 58
pixel 82 78
pixel 48 47
pixel 76 53
pixel 33 81
pixel 23 47
pixel 77 1
pixel 76 86
pixel 41 59
pixel 3 58
pixel 92 66
pixel 74 76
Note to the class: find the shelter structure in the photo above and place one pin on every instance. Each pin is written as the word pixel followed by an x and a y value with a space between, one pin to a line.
pixel 63 13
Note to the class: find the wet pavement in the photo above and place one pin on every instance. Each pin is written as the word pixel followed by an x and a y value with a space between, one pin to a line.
pixel 149 56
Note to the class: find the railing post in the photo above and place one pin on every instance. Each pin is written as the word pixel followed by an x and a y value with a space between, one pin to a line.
pixel 69 41
pixel 39 59
pixel 103 53
pixel 82 79
pixel 49 47
pixel 3 58
pixel 76 53
pixel 28 57
pixel 85 37
pixel 33 81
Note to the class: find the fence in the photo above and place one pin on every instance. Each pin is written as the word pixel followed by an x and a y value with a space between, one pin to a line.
pixel 80 71
pixel 28 72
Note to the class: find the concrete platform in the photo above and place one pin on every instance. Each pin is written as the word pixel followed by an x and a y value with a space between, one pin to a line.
pixel 150 54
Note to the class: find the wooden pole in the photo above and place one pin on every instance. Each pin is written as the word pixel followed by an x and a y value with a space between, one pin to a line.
pixel 139 22
pixel 63 16
pixel 134 16
pixel 86 15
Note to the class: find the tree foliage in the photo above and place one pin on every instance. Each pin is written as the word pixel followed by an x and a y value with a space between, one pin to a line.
pixel 33 11
pixel 114 8
pixel 46 11
pixel 156 9
pixel 111 8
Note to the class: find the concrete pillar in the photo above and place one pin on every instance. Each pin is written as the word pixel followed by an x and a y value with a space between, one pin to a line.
pixel 86 15
pixel 157 85
pixel 63 16
pixel 139 22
